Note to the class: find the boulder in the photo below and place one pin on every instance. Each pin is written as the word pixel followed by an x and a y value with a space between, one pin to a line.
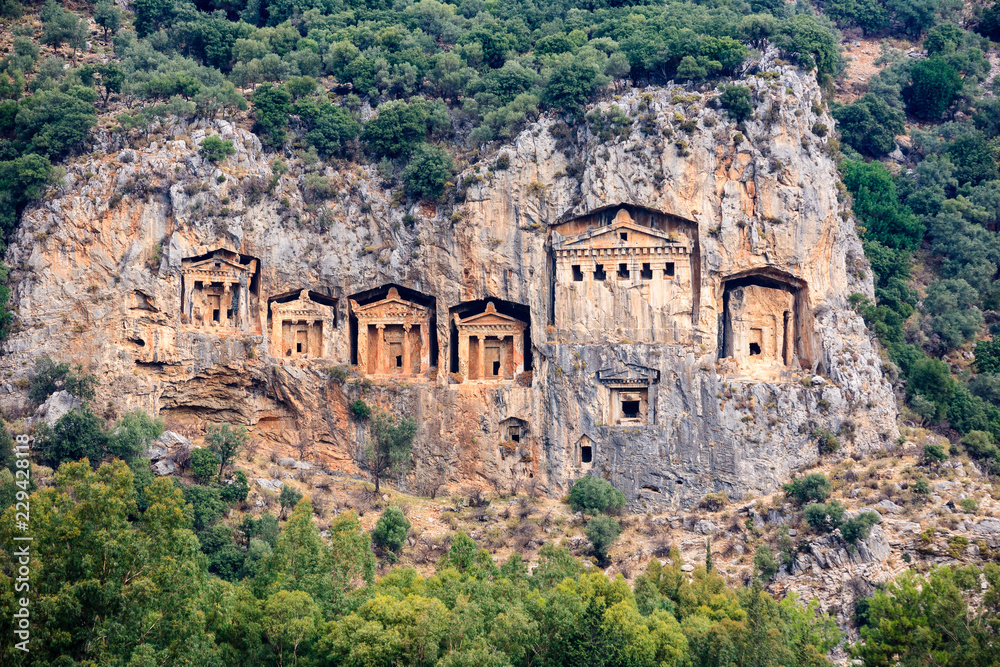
pixel 57 405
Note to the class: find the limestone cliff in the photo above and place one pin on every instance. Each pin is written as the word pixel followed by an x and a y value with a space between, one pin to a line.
pixel 666 306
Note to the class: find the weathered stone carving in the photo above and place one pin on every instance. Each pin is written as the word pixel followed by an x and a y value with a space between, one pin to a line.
pixel 767 324
pixel 301 328
pixel 629 385
pixel 623 281
pixel 585 452
pixel 393 336
pixel 490 346
pixel 513 429
pixel 219 293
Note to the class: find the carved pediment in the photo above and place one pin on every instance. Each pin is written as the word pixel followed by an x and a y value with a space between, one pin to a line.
pixel 214 265
pixel 303 306
pixel 610 236
pixel 628 375
pixel 489 318
pixel 391 307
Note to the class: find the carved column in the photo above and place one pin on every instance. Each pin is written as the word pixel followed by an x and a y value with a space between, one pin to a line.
pixel 188 292
pixel 407 368
pixel 518 353
pixel 380 360
pixel 363 345
pixel 276 342
pixel 482 356
pixel 463 354
pixel 224 304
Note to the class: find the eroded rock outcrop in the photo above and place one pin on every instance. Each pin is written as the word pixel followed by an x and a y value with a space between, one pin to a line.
pixel 666 308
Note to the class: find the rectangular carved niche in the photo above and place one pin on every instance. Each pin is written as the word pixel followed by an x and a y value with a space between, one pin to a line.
pixel 393 335
pixel 624 281
pixel 219 292
pixel 301 327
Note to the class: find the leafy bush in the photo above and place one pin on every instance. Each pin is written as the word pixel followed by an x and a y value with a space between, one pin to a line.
pixel 870 125
pixel 969 505
pixel 594 495
pixel 824 517
pixel 204 464
pixel 289 497
pixel 237 489
pixel 78 434
pixel 49 377
pixel 428 172
pixel 390 530
pixel 361 410
pixel 827 441
pixel 765 565
pixel 814 487
pixel 602 531
pixel 214 149
pixel 133 434
pixel 737 102
pixel 921 486
pixel 934 453
pixel 859 527
pixel 713 502
pixel 206 504
pixel 934 84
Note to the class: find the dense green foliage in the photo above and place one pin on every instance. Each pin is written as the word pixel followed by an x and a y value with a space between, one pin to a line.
pixel 49 376
pixel 390 445
pixel 814 487
pixel 390 530
pixel 130 577
pixel 595 495
pixel 602 531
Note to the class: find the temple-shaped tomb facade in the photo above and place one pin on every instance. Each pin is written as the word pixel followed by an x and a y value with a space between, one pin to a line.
pixel 623 281
pixel 631 392
pixel 393 336
pixel 760 325
pixel 219 293
pixel 490 346
pixel 301 328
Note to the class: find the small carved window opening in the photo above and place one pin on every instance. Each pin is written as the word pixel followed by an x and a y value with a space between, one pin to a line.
pixel 668 270
pixel 586 454
pixel 215 314
pixel 754 349
pixel 630 409
pixel 647 271
pixel 577 273
pixel 229 314
pixel 599 273
pixel 399 361
pixel 623 272
pixel 298 348
pixel 515 433
pixel 623 236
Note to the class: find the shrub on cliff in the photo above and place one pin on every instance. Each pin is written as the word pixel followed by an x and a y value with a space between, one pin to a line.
pixel 204 464
pixel 78 434
pixel 594 495
pixel 870 125
pixel 390 530
pixel 813 488
pixel 737 102
pixel 934 84
pixel 428 172
pixel 214 149
pixel 226 442
pixel 390 445
pixel 602 531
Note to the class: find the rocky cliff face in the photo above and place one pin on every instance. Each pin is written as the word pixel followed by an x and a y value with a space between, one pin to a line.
pixel 670 389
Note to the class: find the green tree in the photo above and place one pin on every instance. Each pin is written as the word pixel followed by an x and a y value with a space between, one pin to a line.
pixel 934 84
pixel 390 446
pixel 108 16
pixel 78 434
pixel 215 150
pixel 204 464
pixel 814 487
pixel 226 442
pixel 602 531
pixel 824 517
pixel 133 434
pixel 291 620
pixel 272 105
pixel 390 530
pixel 52 123
pixel 737 102
pixel 428 172
pixel 570 86
pixel 594 495
pixel 397 129
pixel 289 497
pixel 870 125
pixel 764 563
